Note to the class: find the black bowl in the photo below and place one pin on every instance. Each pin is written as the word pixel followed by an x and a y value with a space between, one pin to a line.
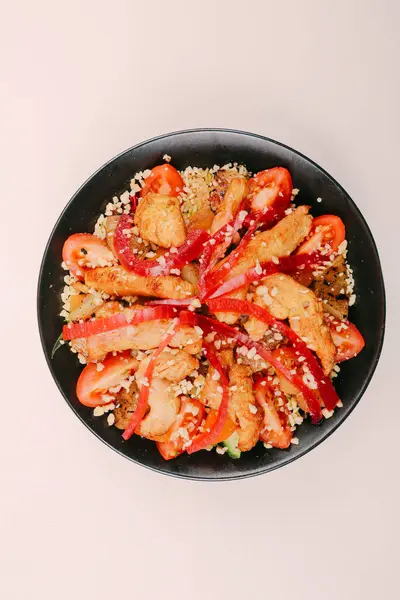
pixel 205 147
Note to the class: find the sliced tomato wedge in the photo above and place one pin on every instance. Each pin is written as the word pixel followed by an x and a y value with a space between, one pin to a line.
pixel 276 430
pixel 73 331
pixel 92 385
pixel 270 187
pixel 346 337
pixel 82 251
pixel 327 229
pixel 188 420
pixel 227 430
pixel 163 179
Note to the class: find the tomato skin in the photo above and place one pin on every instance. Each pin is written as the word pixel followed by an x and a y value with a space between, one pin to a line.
pixel 270 187
pixel 163 179
pixel 227 430
pixel 331 230
pixel 187 420
pixel 93 384
pixel 349 341
pixel 95 252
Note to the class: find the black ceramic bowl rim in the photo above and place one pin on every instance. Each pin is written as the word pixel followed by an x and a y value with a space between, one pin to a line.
pixel 372 367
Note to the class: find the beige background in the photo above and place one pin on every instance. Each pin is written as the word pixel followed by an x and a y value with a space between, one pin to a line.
pixel 83 80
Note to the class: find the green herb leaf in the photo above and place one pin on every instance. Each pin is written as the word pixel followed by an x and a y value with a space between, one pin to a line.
pixel 56 346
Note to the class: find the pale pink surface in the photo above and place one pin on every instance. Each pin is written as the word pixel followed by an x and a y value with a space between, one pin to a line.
pixel 82 81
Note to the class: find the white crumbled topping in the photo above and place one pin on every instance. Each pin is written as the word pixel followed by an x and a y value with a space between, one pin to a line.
pixel 274 291
pixel 194 410
pixel 327 413
pixel 258 268
pixel 210 337
pixel 221 449
pixel 268 446
pixel 261 290
pixel 111 419
pixel 99 411
pixel 253 409
pixel 251 353
pixel 294 441
pixel 352 299
pixel 125 197
pixel 183 387
pixel 310 381
pixel 319 199
pixel 167 158
pixel 342 249
pixel 99 366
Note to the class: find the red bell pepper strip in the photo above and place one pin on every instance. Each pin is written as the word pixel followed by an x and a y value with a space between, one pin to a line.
pixel 218 244
pixel 208 324
pixel 143 400
pixel 74 331
pixel 190 249
pixel 324 384
pixel 208 438
pixel 215 277
pixel 285 264
pixel 134 201
pixel 170 302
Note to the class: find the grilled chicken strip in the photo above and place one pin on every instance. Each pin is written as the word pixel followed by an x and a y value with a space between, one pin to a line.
pixel 126 402
pixel 164 407
pixel 237 190
pixel 172 364
pixel 241 399
pixel 117 281
pixel 243 403
pixel 279 241
pixel 285 298
pixel 144 336
pixel 111 226
pixel 160 220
